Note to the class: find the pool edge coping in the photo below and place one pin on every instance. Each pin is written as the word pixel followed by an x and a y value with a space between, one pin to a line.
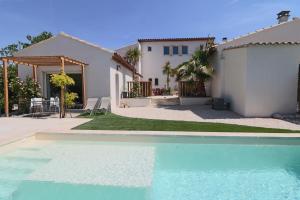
pixel 165 133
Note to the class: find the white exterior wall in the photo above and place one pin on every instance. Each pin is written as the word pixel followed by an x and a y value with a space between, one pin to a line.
pixel 285 32
pixel 234 84
pixel 124 75
pixel 98 71
pixel 151 63
pixel 272 79
pixel 259 81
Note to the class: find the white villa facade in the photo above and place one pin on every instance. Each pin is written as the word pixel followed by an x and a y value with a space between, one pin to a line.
pixel 155 53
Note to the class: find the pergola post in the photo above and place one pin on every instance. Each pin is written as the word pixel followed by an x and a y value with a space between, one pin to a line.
pixel 5 79
pixel 83 85
pixel 62 94
pixel 34 73
pixel 62 64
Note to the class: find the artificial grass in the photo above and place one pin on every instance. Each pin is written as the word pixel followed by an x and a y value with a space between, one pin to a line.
pixel 115 122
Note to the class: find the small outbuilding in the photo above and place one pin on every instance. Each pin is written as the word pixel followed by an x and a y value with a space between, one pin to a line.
pixel 258 73
pixel 105 75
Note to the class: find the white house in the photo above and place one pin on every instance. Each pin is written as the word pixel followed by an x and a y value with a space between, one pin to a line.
pixel 106 74
pixel 156 52
pixel 258 73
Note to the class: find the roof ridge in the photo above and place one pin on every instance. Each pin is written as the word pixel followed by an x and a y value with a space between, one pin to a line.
pixel 124 46
pixel 262 44
pixel 34 45
pixel 68 36
pixel 260 30
pixel 84 41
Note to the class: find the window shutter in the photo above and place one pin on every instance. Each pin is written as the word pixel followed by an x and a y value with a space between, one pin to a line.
pixel 180 50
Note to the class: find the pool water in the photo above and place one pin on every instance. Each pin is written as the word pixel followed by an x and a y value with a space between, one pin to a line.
pixel 70 170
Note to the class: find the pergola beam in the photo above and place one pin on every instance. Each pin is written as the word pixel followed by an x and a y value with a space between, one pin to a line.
pixel 43 60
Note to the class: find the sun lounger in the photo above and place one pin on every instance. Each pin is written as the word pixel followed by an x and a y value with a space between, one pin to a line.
pixel 103 106
pixel 91 105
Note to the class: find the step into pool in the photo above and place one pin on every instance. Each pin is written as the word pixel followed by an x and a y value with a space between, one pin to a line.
pixel 206 169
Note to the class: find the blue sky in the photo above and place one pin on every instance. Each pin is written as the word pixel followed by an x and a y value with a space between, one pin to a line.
pixel 115 23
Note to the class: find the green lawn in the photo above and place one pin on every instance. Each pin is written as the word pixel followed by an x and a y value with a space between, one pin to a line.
pixel 115 122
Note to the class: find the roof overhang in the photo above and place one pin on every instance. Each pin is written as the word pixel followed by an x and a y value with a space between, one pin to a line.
pixel 43 60
pixel 116 57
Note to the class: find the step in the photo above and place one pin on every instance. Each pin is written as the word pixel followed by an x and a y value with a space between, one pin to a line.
pixel 11 173
pixel 22 162
pixel 165 102
pixel 7 188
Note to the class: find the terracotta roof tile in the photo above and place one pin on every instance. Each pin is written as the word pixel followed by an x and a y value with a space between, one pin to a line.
pixel 175 39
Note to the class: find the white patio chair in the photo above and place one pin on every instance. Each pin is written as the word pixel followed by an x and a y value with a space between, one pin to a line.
pixel 54 103
pixel 36 104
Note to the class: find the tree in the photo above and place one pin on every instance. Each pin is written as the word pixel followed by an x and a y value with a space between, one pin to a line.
pixel 132 57
pixel 12 75
pixel 61 81
pixel 23 91
pixel 9 50
pixel 38 38
pixel 197 69
pixel 169 72
pixel 70 98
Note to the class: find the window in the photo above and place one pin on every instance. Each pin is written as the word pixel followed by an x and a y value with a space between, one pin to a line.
pixel 150 79
pixel 156 81
pixel 166 50
pixel 149 48
pixel 175 50
pixel 185 50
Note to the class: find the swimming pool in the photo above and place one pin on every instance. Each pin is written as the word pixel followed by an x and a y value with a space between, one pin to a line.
pixel 169 169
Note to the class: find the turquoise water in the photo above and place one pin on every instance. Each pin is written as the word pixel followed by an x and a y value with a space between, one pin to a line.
pixel 151 171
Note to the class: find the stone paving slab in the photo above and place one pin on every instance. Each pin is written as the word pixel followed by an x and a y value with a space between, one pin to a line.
pixel 12 128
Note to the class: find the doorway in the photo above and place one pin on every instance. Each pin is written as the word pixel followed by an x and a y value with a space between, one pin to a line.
pixel 53 91
pixel 117 90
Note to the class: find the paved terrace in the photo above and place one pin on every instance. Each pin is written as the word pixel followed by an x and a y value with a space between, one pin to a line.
pixel 202 114
pixel 13 128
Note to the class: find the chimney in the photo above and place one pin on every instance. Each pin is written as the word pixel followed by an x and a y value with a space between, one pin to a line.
pixel 224 39
pixel 283 16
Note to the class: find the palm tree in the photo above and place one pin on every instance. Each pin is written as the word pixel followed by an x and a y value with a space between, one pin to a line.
pixel 169 72
pixel 132 57
pixel 197 69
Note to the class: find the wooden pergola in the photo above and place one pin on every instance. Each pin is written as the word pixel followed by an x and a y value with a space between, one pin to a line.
pixel 40 61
